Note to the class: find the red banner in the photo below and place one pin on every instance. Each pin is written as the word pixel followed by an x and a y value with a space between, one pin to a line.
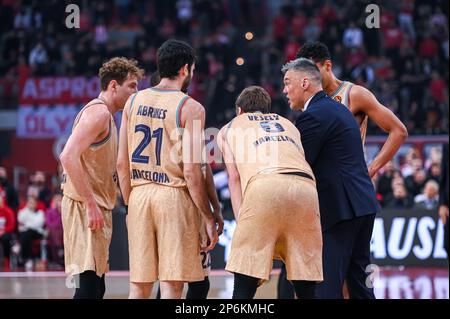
pixel 57 90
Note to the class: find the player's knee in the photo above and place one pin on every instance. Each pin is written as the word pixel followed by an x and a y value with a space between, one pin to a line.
pixel 140 290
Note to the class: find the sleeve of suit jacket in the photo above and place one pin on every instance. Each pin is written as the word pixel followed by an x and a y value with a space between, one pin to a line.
pixel 311 135
pixel 443 187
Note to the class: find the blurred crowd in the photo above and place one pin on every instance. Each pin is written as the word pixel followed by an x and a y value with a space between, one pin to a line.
pixel 413 184
pixel 30 224
pixel 402 62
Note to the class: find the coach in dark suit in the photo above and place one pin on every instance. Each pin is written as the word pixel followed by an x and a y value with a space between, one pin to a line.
pixel 443 196
pixel 333 147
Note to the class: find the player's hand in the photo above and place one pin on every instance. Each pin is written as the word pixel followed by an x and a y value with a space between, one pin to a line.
pixel 95 216
pixel 443 213
pixel 212 235
pixel 219 220
pixel 372 171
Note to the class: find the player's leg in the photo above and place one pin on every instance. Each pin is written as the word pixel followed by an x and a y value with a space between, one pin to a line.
pixel 198 289
pixel 285 290
pixel 171 289
pixel 178 236
pixel 305 289
pixel 143 250
pixel 89 286
pixel 140 290
pixel 300 243
pixel 244 286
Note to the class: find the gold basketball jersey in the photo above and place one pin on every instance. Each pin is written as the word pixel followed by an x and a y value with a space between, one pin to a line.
pixel 265 144
pixel 342 95
pixel 99 164
pixel 155 137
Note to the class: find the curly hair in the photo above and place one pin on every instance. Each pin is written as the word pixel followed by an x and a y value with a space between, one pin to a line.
pixel 316 51
pixel 118 68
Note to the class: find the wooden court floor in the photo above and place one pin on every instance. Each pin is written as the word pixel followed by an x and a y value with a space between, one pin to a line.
pixel 392 283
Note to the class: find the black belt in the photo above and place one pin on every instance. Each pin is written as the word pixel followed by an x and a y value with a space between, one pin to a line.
pixel 301 174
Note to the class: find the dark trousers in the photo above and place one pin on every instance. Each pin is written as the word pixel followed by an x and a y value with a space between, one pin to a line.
pixel 5 240
pixel 26 242
pixel 446 239
pixel 346 255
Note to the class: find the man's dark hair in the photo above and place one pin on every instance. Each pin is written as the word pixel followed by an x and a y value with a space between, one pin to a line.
pixel 316 51
pixel 155 79
pixel 254 99
pixel 172 56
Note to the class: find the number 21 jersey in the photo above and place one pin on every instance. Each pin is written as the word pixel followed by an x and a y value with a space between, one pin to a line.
pixel 155 137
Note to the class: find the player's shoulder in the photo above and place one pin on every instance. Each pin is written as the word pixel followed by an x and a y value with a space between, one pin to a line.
pixel 96 109
pixel 359 91
pixel 191 102
pixel 192 106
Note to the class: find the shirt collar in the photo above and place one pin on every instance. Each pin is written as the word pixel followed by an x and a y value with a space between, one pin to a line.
pixel 307 103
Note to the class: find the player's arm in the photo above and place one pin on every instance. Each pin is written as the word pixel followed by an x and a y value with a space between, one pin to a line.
pixel 123 162
pixel 193 121
pixel 213 199
pixel 93 124
pixel 362 100
pixel 234 179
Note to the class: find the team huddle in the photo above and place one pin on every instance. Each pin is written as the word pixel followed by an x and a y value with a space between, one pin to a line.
pixel 282 180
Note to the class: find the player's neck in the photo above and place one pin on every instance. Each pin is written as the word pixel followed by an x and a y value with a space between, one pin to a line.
pixel 107 99
pixel 332 86
pixel 168 84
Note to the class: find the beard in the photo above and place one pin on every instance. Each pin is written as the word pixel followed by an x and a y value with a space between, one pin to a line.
pixel 186 82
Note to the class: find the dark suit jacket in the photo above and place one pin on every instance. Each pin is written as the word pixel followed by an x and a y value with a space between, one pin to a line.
pixel 333 147
pixel 443 186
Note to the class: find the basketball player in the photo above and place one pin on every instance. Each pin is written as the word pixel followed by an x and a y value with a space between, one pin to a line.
pixel 200 289
pixel 268 173
pixel 89 180
pixel 361 102
pixel 159 167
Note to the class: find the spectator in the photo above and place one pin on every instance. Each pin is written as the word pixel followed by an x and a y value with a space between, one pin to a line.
pixel 38 55
pixel 7 191
pixel 416 181
pixel 53 224
pixel 413 162
pixel 31 227
pixel 385 180
pixel 33 191
pixel 7 227
pixel 434 172
pixel 429 199
pixel 353 36
pixel 399 197
pixel 44 191
pixel 438 88
pixel 428 48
